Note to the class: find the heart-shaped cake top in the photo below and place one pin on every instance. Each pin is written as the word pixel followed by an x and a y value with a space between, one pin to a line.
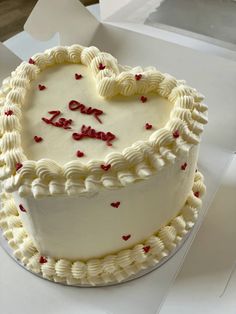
pixel 70 114
pixel 74 110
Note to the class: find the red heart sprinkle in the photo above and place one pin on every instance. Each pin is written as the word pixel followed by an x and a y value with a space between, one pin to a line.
pixel 126 237
pixel 8 112
pixel 197 194
pixel 22 208
pixel 41 87
pixel 31 61
pixel 18 166
pixel 79 154
pixel 106 167
pixel 38 139
pixel 148 126
pixel 143 99
pixel 176 134
pixel 146 248
pixel 42 260
pixel 101 66
pixel 138 77
pixel 184 166
pixel 115 204
pixel 78 76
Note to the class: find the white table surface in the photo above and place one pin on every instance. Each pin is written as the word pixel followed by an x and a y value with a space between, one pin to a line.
pixel 201 283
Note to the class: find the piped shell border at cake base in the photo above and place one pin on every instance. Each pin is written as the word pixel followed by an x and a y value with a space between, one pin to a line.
pixel 110 269
pixel 138 162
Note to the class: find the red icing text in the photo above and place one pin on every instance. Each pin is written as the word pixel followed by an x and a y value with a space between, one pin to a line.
pixel 75 105
pixel 60 123
pixel 87 131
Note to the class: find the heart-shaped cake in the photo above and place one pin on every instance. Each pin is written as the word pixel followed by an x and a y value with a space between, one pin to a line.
pixel 102 160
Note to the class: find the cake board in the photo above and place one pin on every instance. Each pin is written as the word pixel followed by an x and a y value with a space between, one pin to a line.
pixel 147 292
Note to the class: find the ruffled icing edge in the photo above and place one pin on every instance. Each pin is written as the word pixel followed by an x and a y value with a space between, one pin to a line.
pixel 141 160
pixel 111 268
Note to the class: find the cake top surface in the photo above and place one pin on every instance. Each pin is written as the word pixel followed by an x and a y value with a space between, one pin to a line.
pixel 73 121
pixel 69 92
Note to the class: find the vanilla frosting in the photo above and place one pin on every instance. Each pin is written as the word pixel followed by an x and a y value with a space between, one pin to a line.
pixel 125 117
pixel 91 227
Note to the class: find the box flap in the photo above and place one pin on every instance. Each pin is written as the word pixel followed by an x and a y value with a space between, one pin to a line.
pixel 70 19
pixel 109 7
pixel 127 10
pixel 8 62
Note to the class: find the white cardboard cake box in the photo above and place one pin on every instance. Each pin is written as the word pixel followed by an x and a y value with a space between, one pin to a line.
pixel 211 75
pixel 155 15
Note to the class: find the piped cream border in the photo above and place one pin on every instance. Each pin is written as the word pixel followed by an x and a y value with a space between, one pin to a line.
pixel 45 177
pixel 112 268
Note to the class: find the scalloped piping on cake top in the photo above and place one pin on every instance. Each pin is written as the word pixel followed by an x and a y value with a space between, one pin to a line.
pixel 137 162
pixel 111 268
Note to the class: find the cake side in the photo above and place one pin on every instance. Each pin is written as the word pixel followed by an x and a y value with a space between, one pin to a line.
pixel 110 221
pixel 111 268
pixel 139 161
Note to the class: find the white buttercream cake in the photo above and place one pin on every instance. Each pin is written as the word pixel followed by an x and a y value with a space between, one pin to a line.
pixel 98 165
